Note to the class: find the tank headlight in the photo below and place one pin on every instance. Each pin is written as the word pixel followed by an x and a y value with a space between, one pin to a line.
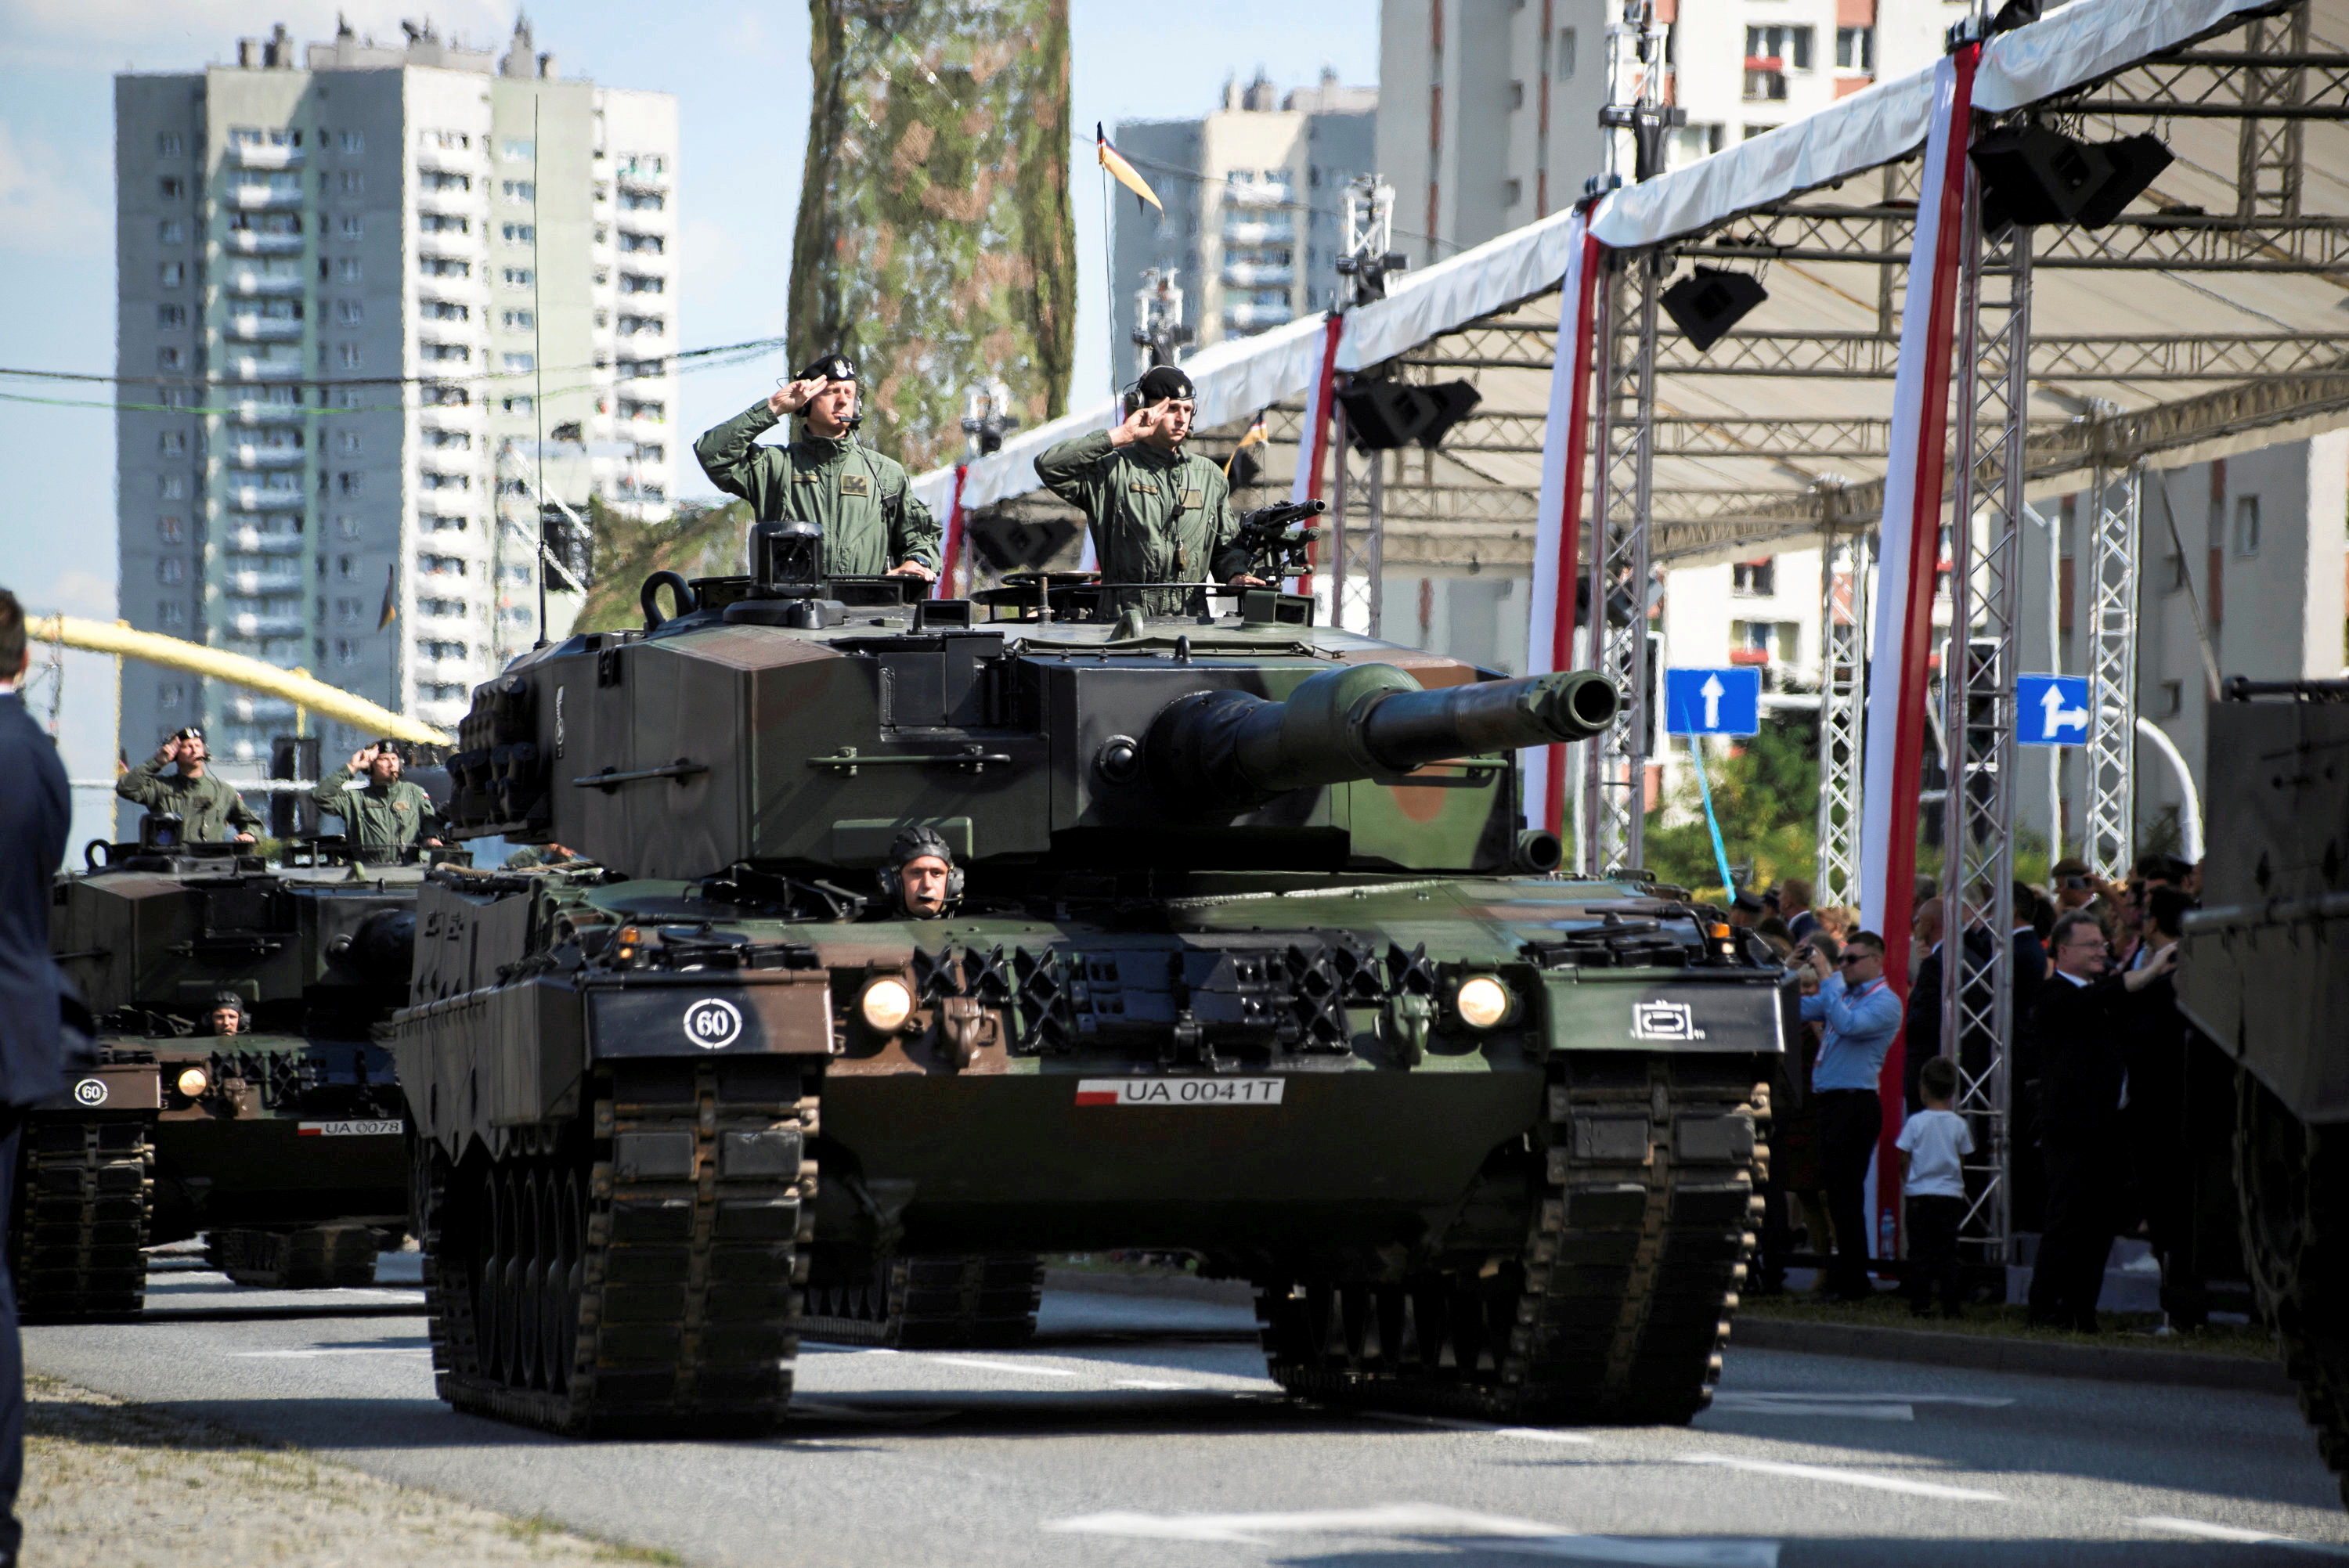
pixel 1481 1002
pixel 886 1005
pixel 193 1081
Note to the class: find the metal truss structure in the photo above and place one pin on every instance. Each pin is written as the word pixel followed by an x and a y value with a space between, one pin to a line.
pixel 1978 720
pixel 1354 530
pixel 2108 835
pixel 1844 567
pixel 1615 765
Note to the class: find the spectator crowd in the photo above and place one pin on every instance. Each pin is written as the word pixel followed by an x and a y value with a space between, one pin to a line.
pixel 2117 1112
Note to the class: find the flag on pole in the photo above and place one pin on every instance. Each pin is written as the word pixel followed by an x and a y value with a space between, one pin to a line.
pixel 1557 539
pixel 390 611
pixel 1124 173
pixel 1255 437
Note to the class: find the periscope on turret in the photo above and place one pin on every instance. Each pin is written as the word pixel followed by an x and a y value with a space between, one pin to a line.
pixel 1247 953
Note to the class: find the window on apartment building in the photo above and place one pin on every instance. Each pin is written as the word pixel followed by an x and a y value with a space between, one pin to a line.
pixel 642 282
pixel 349 313
pixel 351 226
pixel 444 267
pixel 1855 48
pixel 347 268
pixel 171 529
pixel 1517 95
pixel 448 440
pixel 173 443
pixel 170 569
pixel 633 408
pixel 1790 47
pixel 1562 54
pixel 444 223
pixel 443 607
pixel 346 650
pixel 168 315
pixel 518 234
pixel 642 201
pixel 446 310
pixel 651 452
pixel 514 363
pixel 347 567
pixel 346 442
pixel 173 274
pixel 517 320
pixel 2246 525
pixel 518 151
pixel 170 613
pixel 655 326
pixel 524 191
pixel 170 358
pixel 350 483
pixel 354 183
pixel 348 356
pixel 347 526
pixel 517 277
pixel 2171 701
pixel 171 487
pixel 441 522
pixel 170 144
pixel 173 188
pixel 520 487
pixel 1754 578
pixel 173 231
pixel 346 610
pixel 438 647
pixel 1763 86
pixel 602 193
pixel 276 223
pixel 442 565
pixel 171 695
pixel 352 140
pixel 1512 192
pixel 444 180
pixel 447 353
pixel 445 140
pixel 602 318
pixel 647 244
pixel 439 481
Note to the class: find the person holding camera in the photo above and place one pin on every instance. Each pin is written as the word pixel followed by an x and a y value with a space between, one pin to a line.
pixel 388 813
pixel 873 525
pixel 1158 514
pixel 207 807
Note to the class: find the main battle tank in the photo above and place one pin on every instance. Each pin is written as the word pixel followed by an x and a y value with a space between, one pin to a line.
pixel 1253 961
pixel 280 1144
pixel 2265 973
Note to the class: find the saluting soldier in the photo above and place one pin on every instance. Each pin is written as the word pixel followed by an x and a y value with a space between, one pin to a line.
pixel 1159 514
pixel 873 523
pixel 208 807
pixel 388 813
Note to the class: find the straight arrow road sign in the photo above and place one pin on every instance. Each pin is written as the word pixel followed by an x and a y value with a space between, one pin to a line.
pixel 1712 702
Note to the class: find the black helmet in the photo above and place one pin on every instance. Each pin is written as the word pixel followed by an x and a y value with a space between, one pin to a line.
pixel 910 844
pixel 231 1000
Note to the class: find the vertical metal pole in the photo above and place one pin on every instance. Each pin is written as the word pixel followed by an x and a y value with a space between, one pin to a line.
pixel 1843 688
pixel 1338 498
pixel 1615 771
pixel 1375 536
pixel 1979 714
pixel 2109 831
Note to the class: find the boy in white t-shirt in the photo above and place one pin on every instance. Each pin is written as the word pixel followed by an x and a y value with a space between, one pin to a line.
pixel 1933 1144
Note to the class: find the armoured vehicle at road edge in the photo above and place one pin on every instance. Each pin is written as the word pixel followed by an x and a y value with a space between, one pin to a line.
pixel 280 1144
pixel 2265 973
pixel 1253 959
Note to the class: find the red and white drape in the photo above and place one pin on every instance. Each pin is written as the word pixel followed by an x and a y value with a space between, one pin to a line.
pixel 1313 436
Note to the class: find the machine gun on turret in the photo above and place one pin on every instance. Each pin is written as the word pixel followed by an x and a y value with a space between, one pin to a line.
pixel 1276 546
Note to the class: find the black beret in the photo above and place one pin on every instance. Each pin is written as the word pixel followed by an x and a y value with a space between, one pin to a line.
pixel 1164 381
pixel 833 367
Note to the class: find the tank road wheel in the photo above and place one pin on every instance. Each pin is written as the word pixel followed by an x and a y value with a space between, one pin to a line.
pixel 84 1190
pixel 2295 1182
pixel 635 1273
pixel 1615 1310
pixel 980 1301
pixel 315 1257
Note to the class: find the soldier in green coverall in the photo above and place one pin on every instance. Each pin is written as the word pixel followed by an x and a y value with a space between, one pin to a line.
pixel 388 813
pixel 1158 514
pixel 208 807
pixel 873 524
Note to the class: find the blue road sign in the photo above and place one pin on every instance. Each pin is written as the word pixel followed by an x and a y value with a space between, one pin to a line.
pixel 2051 711
pixel 1712 702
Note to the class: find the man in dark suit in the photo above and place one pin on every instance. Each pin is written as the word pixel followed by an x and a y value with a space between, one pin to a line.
pixel 2080 1022
pixel 35 814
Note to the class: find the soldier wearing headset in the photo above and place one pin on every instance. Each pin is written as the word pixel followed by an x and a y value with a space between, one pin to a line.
pixel 873 524
pixel 920 880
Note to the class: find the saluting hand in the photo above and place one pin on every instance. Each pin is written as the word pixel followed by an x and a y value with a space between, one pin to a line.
pixel 361 757
pixel 793 396
pixel 169 751
pixel 1139 425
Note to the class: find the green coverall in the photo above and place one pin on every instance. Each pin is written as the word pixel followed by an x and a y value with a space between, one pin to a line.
pixel 1157 517
pixel 870 520
pixel 208 808
pixel 379 816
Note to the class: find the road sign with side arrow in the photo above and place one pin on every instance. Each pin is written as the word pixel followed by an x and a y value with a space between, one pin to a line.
pixel 1712 702
pixel 2051 711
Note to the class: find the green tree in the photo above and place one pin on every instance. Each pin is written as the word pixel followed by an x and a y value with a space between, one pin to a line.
pixel 698 541
pixel 1766 797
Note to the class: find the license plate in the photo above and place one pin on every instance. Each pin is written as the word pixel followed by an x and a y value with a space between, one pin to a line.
pixel 348 1129
pixel 1180 1091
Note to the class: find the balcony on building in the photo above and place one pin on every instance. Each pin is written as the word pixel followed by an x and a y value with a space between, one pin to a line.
pixel 252 326
pixel 1258 274
pixel 254 195
pixel 634 174
pixel 1766 78
pixel 263 584
pixel 258 155
pixel 263 455
pixel 245 368
pixel 262 498
pixel 249 627
pixel 260 411
pixel 251 539
pixel 447 715
pixel 244 280
pixel 1250 231
pixel 257 710
pixel 248 242
pixel 1255 317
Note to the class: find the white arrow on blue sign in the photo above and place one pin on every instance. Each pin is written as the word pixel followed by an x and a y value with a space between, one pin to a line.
pixel 1712 702
pixel 2051 711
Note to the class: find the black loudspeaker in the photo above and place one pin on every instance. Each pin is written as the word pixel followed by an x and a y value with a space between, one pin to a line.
pixel 1017 545
pixel 1451 403
pixel 2032 175
pixel 1705 305
pixel 2137 161
pixel 1383 415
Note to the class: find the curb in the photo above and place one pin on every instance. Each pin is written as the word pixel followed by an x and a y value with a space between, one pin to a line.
pixel 1170 1286
pixel 1982 1353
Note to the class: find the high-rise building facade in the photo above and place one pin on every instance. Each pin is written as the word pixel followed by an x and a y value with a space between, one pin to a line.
pixel 1256 206
pixel 355 293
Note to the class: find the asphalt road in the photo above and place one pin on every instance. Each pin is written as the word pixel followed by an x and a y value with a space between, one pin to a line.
pixel 1142 1431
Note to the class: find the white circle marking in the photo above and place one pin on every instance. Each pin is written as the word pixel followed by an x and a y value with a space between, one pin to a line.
pixel 713 1023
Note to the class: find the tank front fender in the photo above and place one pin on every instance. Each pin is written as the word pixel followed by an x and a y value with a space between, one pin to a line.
pixel 1745 1012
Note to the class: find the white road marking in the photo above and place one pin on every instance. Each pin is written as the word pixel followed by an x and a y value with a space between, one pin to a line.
pixel 1533 1434
pixel 1021 1367
pixel 1847 1478
pixel 1789 1405
pixel 1807 1396
pixel 331 1350
pixel 2238 1533
pixel 1146 1382
pixel 1424 1520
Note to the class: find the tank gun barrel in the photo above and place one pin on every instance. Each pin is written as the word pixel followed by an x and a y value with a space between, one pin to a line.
pixel 1231 748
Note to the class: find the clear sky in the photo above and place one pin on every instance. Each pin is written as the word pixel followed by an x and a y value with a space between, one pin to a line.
pixel 740 75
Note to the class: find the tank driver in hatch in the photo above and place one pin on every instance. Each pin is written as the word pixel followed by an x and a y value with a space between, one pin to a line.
pixel 873 523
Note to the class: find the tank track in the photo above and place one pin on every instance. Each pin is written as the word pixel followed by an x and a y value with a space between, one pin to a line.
pixel 2295 1182
pixel 316 1257
pixel 986 1301
pixel 634 1274
pixel 1618 1306
pixel 85 1190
